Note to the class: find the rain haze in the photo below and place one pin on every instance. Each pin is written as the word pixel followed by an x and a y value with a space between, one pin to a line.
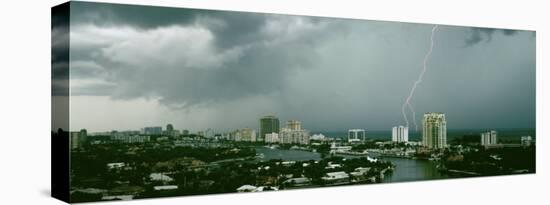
pixel 199 69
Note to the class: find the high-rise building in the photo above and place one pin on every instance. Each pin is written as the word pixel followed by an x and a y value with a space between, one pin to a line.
pixel 434 130
pixel 83 136
pixel 268 124
pixel 169 129
pixel 293 133
pixel 489 138
pixel 356 135
pixel 78 139
pixel 294 125
pixel 400 134
pixel 75 141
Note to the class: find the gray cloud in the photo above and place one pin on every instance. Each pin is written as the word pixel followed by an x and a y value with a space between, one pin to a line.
pixel 211 67
pixel 478 35
pixel 191 63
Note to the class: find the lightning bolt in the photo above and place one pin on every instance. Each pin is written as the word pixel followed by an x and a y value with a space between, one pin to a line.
pixel 407 102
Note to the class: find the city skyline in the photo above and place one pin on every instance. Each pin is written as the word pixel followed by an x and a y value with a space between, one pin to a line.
pixel 390 130
pixel 355 76
pixel 154 102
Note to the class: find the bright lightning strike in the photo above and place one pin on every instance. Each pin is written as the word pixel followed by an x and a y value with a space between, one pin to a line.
pixel 407 102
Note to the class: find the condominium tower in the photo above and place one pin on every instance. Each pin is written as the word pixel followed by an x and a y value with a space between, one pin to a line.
pixel 434 130
pixel 489 138
pixel 400 134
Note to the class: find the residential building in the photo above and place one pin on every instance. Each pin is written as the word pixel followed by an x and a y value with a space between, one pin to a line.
pixel 400 134
pixel 294 125
pixel 434 130
pixel 244 135
pixel 272 137
pixel 129 139
pixel 336 178
pixel 293 133
pixel 489 138
pixel 356 135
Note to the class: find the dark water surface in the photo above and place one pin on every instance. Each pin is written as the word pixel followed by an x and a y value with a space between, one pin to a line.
pixel 405 169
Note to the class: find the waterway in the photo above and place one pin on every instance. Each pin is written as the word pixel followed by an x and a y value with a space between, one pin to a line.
pixel 405 169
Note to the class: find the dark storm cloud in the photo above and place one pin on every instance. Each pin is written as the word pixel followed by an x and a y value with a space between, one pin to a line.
pixel 330 73
pixel 478 35
pixel 60 51
pixel 236 28
pixel 256 52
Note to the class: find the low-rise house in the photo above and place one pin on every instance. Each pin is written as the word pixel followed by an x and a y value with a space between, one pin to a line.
pixel 246 188
pixel 336 178
pixel 165 187
pixel 115 166
pixel 160 177
pixel 360 171
pixel 330 165
pixel 297 182
pixel 266 188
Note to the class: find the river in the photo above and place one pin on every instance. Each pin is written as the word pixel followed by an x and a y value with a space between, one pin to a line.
pixel 405 169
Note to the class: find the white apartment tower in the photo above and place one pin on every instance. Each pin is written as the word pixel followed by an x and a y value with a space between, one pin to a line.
pixel 489 138
pixel 400 134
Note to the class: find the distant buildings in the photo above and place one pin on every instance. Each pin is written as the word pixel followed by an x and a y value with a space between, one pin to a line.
pixel 129 139
pixel 272 137
pixel 293 133
pixel 78 139
pixel 242 135
pixel 434 131
pixel 339 149
pixel 169 129
pixel 319 137
pixel 268 124
pixel 208 133
pixel 400 134
pixel 75 142
pixel 526 141
pixel 152 130
pixel 356 135
pixel 489 138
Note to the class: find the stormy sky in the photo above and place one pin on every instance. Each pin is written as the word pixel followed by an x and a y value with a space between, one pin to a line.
pixel 135 66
